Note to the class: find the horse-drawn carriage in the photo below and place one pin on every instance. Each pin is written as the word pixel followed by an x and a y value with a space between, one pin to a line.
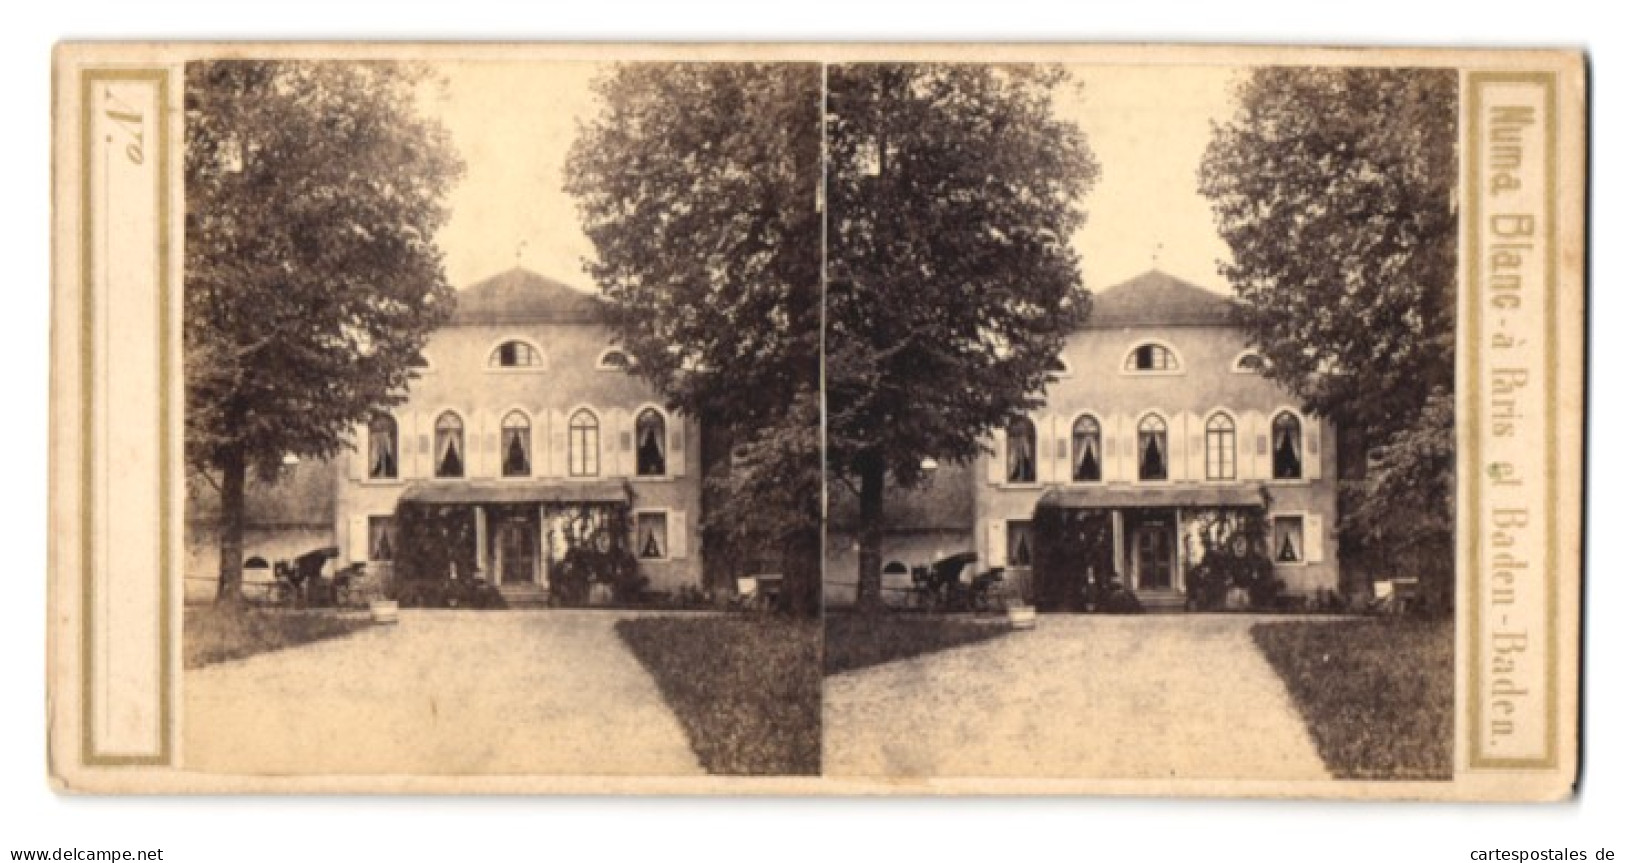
pixel 942 586
pixel 302 582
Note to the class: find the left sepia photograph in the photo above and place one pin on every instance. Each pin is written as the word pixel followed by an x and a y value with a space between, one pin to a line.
pixel 502 418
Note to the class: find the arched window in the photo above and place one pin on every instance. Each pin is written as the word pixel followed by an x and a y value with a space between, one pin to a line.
pixel 1153 448
pixel 383 461
pixel 448 445
pixel 1151 357
pixel 651 431
pixel 614 359
pixel 1286 443
pixel 256 562
pixel 1086 449
pixel 1248 363
pixel 583 443
pixel 1221 447
pixel 515 354
pixel 1021 457
pixel 896 567
pixel 516 444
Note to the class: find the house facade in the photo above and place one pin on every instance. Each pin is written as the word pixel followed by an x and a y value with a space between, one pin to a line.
pixel 1157 435
pixel 526 432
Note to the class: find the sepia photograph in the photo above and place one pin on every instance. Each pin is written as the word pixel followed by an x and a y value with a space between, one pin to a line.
pixel 501 418
pixel 1141 387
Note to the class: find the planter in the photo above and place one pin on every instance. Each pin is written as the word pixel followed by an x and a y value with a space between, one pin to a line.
pixel 1022 616
pixel 385 611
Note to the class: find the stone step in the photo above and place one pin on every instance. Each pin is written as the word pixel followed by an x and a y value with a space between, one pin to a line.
pixel 1162 600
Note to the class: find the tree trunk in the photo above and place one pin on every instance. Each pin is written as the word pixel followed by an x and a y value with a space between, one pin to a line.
pixel 871 532
pixel 234 472
pixel 803 573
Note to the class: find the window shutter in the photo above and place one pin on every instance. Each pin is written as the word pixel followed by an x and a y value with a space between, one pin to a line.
pixel 1246 460
pixel 1108 449
pixel 1128 444
pixel 995 542
pixel 677 534
pixel 1176 447
pixel 676 453
pixel 995 464
pixel 538 443
pixel 358 539
pixel 1061 432
pixel 406 450
pixel 1042 457
pixel 1196 454
pixel 1311 447
pixel 558 460
pixel 1313 542
pixel 625 440
pixel 358 458
pixel 425 448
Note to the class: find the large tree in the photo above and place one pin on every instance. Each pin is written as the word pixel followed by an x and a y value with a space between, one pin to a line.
pixel 313 194
pixel 954 192
pixel 698 185
pixel 1335 190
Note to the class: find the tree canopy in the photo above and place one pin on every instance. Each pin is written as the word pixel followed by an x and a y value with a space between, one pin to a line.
pixel 313 194
pixel 698 185
pixel 1335 190
pixel 954 192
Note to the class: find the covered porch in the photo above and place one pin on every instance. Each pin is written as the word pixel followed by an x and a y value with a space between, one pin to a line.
pixel 1146 538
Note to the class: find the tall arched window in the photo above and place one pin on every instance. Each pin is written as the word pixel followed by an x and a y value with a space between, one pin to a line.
pixel 516 444
pixel 383 461
pixel 651 431
pixel 1021 456
pixel 1286 443
pixel 1086 449
pixel 1153 448
pixel 1221 447
pixel 583 443
pixel 448 445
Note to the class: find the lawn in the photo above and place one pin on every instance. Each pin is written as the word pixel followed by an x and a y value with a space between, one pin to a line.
pixel 212 634
pixel 1376 693
pixel 853 641
pixel 745 687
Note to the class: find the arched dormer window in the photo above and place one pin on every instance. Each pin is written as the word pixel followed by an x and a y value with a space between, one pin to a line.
pixel 1021 451
pixel 1286 446
pixel 614 360
pixel 1151 358
pixel 1153 449
pixel 448 446
pixel 1221 446
pixel 383 459
pixel 1248 363
pixel 651 443
pixel 1086 449
pixel 515 354
pixel 583 443
pixel 516 444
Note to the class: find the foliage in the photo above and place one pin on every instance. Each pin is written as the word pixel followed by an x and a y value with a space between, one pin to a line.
pixel 953 195
pixel 698 185
pixel 434 542
pixel 1335 191
pixel 1072 564
pixel 746 689
pixel 597 551
pixel 1234 554
pixel 223 633
pixel 1120 600
pixel 313 194
pixel 1377 694
pixel 854 641
pixel 474 593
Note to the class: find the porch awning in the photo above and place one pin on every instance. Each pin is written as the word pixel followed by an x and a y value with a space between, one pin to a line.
pixel 1136 497
pixel 516 491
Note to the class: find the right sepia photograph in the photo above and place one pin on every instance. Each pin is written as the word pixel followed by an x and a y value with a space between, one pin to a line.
pixel 1140 414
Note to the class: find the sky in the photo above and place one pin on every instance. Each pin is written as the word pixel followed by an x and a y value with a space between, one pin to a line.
pixel 513 124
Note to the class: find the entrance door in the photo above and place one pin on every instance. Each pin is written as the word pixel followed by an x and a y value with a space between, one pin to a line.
pixel 1154 555
pixel 516 551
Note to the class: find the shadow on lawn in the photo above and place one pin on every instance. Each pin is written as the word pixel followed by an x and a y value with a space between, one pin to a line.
pixel 213 634
pixel 853 641
pixel 1376 693
pixel 746 688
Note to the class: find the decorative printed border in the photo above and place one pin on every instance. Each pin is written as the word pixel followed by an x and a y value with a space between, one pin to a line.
pixel 89 754
pixel 1471 464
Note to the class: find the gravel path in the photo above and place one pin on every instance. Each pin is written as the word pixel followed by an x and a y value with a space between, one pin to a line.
pixel 459 692
pixel 1154 696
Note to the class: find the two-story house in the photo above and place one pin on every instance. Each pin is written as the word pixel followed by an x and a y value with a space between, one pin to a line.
pixel 1156 419
pixel 524 418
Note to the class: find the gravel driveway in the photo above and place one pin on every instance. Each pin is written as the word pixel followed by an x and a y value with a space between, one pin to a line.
pixel 1153 696
pixel 547 692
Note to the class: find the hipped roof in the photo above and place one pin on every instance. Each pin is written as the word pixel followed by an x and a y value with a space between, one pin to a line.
pixel 1156 299
pixel 520 296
